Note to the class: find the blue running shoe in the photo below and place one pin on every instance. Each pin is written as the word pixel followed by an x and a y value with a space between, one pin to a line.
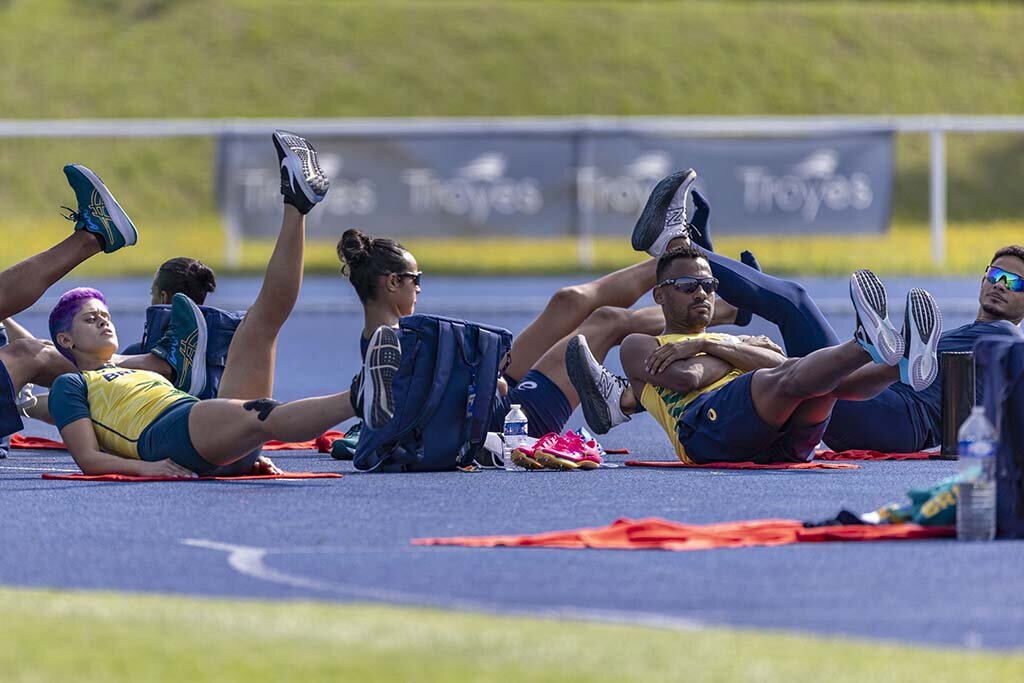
pixel 98 212
pixel 874 332
pixel 183 345
pixel 383 356
pixel 664 216
pixel 303 182
pixel 922 326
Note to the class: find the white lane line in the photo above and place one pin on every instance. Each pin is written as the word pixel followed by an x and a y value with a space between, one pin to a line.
pixel 37 469
pixel 249 561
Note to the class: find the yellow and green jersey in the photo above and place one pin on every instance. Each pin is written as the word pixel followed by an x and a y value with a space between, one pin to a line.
pixel 121 403
pixel 667 406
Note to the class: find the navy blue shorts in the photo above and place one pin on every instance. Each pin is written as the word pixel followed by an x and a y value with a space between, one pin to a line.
pixel 168 437
pixel 722 426
pixel 10 418
pixel 546 407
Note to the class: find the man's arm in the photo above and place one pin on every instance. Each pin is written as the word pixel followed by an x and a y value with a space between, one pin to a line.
pixel 684 374
pixel 81 441
pixel 748 354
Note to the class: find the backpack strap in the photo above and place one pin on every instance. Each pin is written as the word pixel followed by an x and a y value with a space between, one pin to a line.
pixel 486 381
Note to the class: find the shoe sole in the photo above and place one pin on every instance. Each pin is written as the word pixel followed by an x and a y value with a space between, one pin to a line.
pixel 922 330
pixel 869 300
pixel 525 460
pixel 557 461
pixel 118 217
pixel 595 411
pixel 197 371
pixel 305 170
pixel 382 360
pixel 647 230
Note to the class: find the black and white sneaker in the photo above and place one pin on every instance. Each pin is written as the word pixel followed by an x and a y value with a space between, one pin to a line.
pixel 664 216
pixel 874 332
pixel 303 182
pixel 383 356
pixel 600 391
pixel 922 325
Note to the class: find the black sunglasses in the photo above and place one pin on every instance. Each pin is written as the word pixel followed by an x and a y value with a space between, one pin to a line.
pixel 689 285
pixel 416 277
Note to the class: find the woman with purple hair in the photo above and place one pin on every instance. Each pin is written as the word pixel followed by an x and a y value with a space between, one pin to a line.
pixel 128 421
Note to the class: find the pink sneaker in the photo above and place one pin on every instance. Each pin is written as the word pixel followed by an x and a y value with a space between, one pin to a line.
pixel 526 456
pixel 569 452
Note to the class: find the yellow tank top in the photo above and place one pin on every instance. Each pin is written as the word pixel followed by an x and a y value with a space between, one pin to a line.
pixel 123 402
pixel 667 406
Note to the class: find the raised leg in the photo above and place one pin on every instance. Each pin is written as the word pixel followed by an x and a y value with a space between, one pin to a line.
pixel 22 284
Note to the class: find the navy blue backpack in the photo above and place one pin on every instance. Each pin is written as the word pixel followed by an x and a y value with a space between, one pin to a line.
pixel 220 330
pixel 445 394
pixel 1000 367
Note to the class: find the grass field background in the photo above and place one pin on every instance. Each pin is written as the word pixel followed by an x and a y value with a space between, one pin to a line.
pixel 51 636
pixel 243 58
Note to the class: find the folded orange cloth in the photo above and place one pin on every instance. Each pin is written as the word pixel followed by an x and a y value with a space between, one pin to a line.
pixel 38 442
pixel 870 455
pixel 743 465
pixel 654 533
pixel 321 443
pixel 245 477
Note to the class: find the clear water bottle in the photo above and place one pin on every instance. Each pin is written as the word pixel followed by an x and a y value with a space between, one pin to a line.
pixel 976 503
pixel 515 434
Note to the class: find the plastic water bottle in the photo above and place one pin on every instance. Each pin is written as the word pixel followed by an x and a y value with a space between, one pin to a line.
pixel 976 503
pixel 516 434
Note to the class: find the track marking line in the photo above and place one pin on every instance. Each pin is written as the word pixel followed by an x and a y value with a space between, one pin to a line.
pixel 249 561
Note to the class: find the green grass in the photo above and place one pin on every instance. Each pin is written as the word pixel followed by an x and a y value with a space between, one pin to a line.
pixel 51 636
pixel 276 58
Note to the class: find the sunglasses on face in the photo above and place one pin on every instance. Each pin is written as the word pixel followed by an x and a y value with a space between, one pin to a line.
pixel 416 277
pixel 689 285
pixel 1012 281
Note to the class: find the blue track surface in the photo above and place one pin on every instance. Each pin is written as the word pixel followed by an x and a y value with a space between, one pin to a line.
pixel 349 539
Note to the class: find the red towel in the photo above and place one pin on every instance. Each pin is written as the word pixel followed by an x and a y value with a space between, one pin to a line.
pixel 38 442
pixel 321 443
pixel 133 478
pixel 744 465
pixel 870 455
pixel 661 534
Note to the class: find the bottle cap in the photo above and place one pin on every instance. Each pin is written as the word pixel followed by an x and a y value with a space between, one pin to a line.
pixel 516 406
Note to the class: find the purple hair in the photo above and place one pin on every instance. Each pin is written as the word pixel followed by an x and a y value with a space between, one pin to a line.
pixel 65 311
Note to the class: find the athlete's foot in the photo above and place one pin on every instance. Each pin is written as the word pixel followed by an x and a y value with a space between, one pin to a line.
pixel 743 316
pixel 183 345
pixel 664 216
pixel 700 230
pixel 383 356
pixel 600 391
pixel 98 212
pixel 873 330
pixel 303 182
pixel 922 325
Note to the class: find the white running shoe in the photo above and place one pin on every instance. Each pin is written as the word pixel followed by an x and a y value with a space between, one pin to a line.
pixel 874 332
pixel 600 391
pixel 922 326
pixel 383 356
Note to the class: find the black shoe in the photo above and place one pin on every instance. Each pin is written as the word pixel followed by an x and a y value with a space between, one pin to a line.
pixel 303 182
pixel 664 216
pixel 383 356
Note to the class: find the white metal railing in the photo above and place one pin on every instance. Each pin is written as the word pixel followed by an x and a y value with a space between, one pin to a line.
pixel 936 126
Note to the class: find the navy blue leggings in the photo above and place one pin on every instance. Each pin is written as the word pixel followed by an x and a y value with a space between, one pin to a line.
pixel 783 302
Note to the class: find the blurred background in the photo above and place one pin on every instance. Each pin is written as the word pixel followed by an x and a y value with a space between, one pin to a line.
pixel 544 148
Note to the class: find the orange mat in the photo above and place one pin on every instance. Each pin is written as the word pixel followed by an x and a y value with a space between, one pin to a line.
pixel 743 465
pixel 654 533
pixel 246 477
pixel 870 455
pixel 37 442
pixel 321 443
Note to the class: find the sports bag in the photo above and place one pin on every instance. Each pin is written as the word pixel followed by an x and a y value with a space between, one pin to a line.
pixel 999 363
pixel 445 392
pixel 220 330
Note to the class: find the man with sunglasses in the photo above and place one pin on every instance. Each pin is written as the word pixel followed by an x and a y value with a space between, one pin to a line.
pixel 721 397
pixel 900 420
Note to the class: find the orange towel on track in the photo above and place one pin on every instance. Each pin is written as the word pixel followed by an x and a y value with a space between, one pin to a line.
pixel 870 455
pixel 37 442
pixel 245 477
pixel 321 443
pixel 654 533
pixel 743 465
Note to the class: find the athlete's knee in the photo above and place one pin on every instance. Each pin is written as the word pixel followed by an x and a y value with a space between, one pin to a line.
pixel 606 317
pixel 572 298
